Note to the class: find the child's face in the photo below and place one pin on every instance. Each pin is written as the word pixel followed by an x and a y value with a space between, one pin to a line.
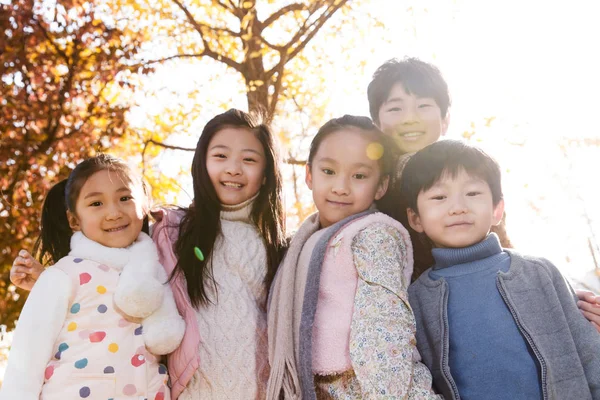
pixel 343 178
pixel 109 210
pixel 414 122
pixel 236 163
pixel 456 212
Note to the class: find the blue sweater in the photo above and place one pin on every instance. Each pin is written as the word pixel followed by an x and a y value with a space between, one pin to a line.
pixel 489 357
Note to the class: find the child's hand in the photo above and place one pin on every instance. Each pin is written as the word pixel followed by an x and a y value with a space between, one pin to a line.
pixel 25 270
pixel 589 304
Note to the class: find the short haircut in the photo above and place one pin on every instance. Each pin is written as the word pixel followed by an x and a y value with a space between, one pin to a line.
pixel 427 166
pixel 418 77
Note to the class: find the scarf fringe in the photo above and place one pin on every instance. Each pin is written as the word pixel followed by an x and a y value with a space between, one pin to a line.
pixel 284 379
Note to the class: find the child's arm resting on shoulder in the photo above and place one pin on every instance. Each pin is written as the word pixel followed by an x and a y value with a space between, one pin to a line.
pixel 589 304
pixel 585 337
pixel 38 327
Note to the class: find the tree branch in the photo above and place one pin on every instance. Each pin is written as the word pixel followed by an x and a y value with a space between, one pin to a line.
pixel 297 38
pixel 277 84
pixel 161 60
pixel 207 51
pixel 294 161
pixel 229 7
pixel 317 25
pixel 281 12
pixel 167 146
pixel 61 53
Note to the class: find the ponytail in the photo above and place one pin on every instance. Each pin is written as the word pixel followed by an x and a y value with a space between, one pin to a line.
pixel 54 241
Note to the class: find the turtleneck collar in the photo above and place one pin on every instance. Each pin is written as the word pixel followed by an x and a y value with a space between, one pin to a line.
pixel 238 212
pixel 488 247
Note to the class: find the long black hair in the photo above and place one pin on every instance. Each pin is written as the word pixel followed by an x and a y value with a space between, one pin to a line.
pixel 201 223
pixel 54 241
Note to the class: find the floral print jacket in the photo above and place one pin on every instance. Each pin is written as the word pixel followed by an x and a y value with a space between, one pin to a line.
pixel 363 303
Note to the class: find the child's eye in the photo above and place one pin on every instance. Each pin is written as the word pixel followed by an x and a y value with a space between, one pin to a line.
pixel 251 160
pixel 219 155
pixel 126 198
pixel 425 105
pixel 360 176
pixel 394 109
pixel 327 171
pixel 473 193
pixel 438 197
pixel 96 204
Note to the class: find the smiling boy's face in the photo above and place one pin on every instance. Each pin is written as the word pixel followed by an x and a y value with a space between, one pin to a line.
pixel 456 211
pixel 414 122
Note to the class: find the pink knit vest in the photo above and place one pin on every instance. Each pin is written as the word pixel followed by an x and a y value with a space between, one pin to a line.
pixel 337 288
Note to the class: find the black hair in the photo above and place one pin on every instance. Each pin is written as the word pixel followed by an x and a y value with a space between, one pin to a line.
pixel 366 126
pixel 427 166
pixel 201 223
pixel 54 241
pixel 418 77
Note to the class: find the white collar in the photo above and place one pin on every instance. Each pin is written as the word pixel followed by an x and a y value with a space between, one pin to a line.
pixel 83 247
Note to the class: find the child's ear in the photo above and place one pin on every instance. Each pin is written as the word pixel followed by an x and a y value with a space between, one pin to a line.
pixel 498 213
pixel 383 187
pixel 414 220
pixel 308 177
pixel 73 221
pixel 445 123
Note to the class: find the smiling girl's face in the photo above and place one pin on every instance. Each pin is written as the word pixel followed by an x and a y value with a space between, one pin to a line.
pixel 109 209
pixel 235 161
pixel 345 176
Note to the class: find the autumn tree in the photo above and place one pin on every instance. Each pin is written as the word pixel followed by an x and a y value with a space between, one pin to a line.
pixel 268 46
pixel 63 66
pixel 256 39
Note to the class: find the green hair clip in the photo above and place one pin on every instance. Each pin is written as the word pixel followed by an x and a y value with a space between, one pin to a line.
pixel 198 253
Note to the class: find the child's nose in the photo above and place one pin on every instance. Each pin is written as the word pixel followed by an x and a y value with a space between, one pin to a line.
pixel 410 115
pixel 114 212
pixel 233 168
pixel 458 207
pixel 341 186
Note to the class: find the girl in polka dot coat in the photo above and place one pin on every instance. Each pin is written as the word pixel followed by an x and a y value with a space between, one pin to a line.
pixel 94 323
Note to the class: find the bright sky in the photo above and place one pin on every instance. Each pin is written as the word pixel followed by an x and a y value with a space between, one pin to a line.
pixel 529 64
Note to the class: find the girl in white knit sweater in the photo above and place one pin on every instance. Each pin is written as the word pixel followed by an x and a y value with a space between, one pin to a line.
pixel 222 253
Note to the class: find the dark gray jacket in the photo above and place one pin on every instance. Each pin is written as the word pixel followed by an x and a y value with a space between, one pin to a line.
pixel 544 307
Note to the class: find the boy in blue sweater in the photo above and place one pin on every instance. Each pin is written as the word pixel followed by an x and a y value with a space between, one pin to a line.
pixel 491 323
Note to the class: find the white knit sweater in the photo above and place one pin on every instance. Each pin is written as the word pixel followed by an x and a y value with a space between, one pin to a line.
pixel 233 350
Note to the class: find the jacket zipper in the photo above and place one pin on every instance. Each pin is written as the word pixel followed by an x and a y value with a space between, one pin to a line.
pixel 539 357
pixel 445 350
